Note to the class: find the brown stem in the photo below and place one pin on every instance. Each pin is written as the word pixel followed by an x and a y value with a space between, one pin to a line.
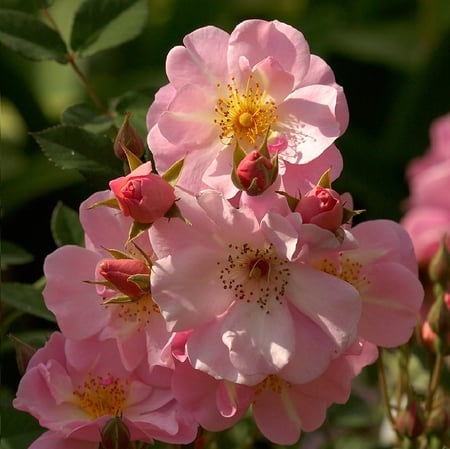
pixel 433 384
pixel 384 392
pixel 98 103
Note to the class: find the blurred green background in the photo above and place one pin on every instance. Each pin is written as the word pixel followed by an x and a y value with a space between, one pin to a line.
pixel 391 56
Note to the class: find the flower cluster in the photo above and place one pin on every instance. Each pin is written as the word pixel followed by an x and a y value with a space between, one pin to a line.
pixel 234 280
pixel 427 220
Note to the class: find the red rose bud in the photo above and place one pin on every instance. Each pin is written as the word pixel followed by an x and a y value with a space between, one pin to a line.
pixel 255 173
pixel 322 207
pixel 143 195
pixel 115 434
pixel 129 138
pixel 118 272
pixel 410 422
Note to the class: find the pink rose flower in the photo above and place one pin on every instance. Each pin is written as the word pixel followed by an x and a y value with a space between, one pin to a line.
pixel 322 207
pixel 377 258
pixel 427 218
pixel 74 388
pixel 249 268
pixel 79 306
pixel 282 410
pixel 227 89
pixel 143 195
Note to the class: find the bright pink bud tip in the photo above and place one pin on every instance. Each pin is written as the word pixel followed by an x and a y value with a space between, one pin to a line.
pixel 323 207
pixel 118 272
pixel 143 195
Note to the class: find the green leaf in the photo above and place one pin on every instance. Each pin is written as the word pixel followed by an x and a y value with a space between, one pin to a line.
pixel 65 226
pixel 30 37
pixel 13 254
pixel 27 298
pixel 87 117
pixel 19 429
pixel 103 24
pixel 70 147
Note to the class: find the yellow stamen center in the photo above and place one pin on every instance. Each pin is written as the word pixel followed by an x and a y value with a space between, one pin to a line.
pixel 245 115
pixel 101 395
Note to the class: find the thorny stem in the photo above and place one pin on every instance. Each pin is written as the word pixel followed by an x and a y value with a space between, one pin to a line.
pixel 384 392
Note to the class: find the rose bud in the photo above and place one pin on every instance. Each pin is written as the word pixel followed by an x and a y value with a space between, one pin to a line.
pixel 128 138
pixel 143 195
pixel 118 272
pixel 322 207
pixel 255 173
pixel 410 422
pixel 115 434
pixel 439 268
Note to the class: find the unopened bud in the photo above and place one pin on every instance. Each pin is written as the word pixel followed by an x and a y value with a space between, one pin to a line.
pixel 439 322
pixel 123 274
pixel 128 138
pixel 410 422
pixel 115 434
pixel 24 352
pixel 322 207
pixel 439 268
pixel 255 173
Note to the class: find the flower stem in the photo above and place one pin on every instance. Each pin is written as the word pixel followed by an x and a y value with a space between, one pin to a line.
pixel 433 384
pixel 384 392
pixel 98 103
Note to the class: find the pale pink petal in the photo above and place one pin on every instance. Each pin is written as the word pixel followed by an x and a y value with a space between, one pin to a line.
pixel 426 226
pixel 255 344
pixel 54 440
pixel 202 59
pixel 311 344
pixel 280 233
pixel 276 415
pixel 180 288
pixel 274 79
pixel 389 239
pixel 164 152
pixel 391 296
pixel 190 117
pixel 307 120
pixel 259 39
pixel 75 303
pixel 300 178
pixel 163 98
pixel 331 303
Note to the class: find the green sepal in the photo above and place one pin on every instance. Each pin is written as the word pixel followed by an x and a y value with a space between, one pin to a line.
pixel 348 214
pixel 274 172
pixel 111 202
pixel 324 180
pixel 133 161
pixel 264 150
pixel 105 283
pixel 121 299
pixel 172 174
pixel 118 254
pixel 141 280
pixel 238 155
pixel 291 200
pixel 115 434
pixel 137 229
pixel 175 212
